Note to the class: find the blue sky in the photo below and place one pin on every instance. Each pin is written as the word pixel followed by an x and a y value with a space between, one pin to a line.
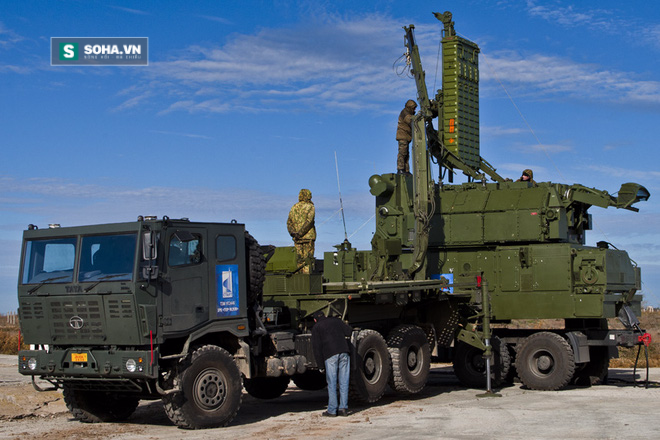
pixel 244 103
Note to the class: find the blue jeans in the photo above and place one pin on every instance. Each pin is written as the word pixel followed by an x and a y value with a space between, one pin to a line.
pixel 337 367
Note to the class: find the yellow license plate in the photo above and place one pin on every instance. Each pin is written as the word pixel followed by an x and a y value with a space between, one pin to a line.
pixel 78 357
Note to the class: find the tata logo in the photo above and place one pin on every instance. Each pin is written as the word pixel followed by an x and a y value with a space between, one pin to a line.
pixel 76 322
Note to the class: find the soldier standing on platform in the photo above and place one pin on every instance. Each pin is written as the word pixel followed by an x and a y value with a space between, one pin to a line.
pixel 404 136
pixel 301 228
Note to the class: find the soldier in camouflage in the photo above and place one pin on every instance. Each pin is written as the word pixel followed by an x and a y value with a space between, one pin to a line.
pixel 527 176
pixel 301 228
pixel 404 136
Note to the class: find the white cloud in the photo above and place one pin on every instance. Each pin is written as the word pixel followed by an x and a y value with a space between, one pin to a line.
pixel 501 131
pixel 570 16
pixel 56 200
pixel 189 135
pixel 545 75
pixel 130 10
pixel 652 35
pixel 331 64
pixel 8 38
pixel 216 19
pixel 634 175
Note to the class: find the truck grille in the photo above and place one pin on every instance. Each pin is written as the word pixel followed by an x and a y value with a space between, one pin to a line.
pixel 31 310
pixel 88 311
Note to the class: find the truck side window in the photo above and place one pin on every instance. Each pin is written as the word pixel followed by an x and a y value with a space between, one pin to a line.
pixel 184 252
pixel 225 247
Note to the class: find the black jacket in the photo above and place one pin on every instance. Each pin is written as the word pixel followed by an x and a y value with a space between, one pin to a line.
pixel 329 338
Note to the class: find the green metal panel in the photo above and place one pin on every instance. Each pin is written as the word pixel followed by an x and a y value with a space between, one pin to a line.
pixel 499 227
pixel 460 85
pixel 552 268
pixel 287 284
pixel 284 259
pixel 464 228
pixel 508 270
pixel 588 306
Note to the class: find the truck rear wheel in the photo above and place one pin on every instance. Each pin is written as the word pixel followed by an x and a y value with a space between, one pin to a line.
pixel 210 395
pixel 545 361
pixel 371 368
pixel 98 406
pixel 411 359
pixel 595 371
pixel 266 387
pixel 310 380
pixel 470 365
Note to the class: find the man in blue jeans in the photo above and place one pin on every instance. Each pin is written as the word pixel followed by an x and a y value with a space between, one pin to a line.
pixel 331 349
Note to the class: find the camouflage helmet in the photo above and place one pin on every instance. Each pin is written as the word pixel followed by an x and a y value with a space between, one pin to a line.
pixel 529 173
pixel 411 104
pixel 305 195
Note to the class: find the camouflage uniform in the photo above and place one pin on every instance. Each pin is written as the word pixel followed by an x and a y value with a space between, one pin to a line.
pixel 404 136
pixel 301 228
pixel 529 173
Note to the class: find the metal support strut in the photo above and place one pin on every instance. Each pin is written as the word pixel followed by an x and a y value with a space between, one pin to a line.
pixel 488 352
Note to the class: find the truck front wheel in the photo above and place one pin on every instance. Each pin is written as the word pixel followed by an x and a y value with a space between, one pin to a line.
pixel 545 361
pixel 210 390
pixel 98 406
pixel 371 368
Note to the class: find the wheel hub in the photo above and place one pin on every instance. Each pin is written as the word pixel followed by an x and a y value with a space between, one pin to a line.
pixel 372 366
pixel 544 363
pixel 412 359
pixel 209 389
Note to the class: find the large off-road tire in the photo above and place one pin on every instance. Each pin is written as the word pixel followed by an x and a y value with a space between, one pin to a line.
pixel 371 368
pixel 99 406
pixel 266 387
pixel 256 264
pixel 545 361
pixel 595 371
pixel 470 365
pixel 411 359
pixel 210 395
pixel 310 380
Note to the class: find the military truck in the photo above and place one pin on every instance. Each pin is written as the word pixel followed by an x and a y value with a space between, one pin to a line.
pixel 191 312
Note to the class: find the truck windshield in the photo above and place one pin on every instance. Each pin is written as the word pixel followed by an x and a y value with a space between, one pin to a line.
pixel 107 257
pixel 49 261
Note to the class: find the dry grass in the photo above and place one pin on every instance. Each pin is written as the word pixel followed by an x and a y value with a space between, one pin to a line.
pixel 9 339
pixel 649 321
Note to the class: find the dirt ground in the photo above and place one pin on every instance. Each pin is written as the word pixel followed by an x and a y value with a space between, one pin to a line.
pixel 443 410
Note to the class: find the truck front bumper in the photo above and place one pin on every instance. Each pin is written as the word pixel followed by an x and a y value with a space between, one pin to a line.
pixel 88 363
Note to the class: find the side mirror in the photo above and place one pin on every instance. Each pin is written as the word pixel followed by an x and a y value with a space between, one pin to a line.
pixel 150 272
pixel 149 255
pixel 149 246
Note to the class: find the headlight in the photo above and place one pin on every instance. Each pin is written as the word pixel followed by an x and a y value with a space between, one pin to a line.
pixel 131 365
pixel 32 364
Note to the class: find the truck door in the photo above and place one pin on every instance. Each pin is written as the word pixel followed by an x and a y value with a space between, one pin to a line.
pixel 185 298
pixel 229 272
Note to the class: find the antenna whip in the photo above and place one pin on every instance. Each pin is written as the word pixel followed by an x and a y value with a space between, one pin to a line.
pixel 341 203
